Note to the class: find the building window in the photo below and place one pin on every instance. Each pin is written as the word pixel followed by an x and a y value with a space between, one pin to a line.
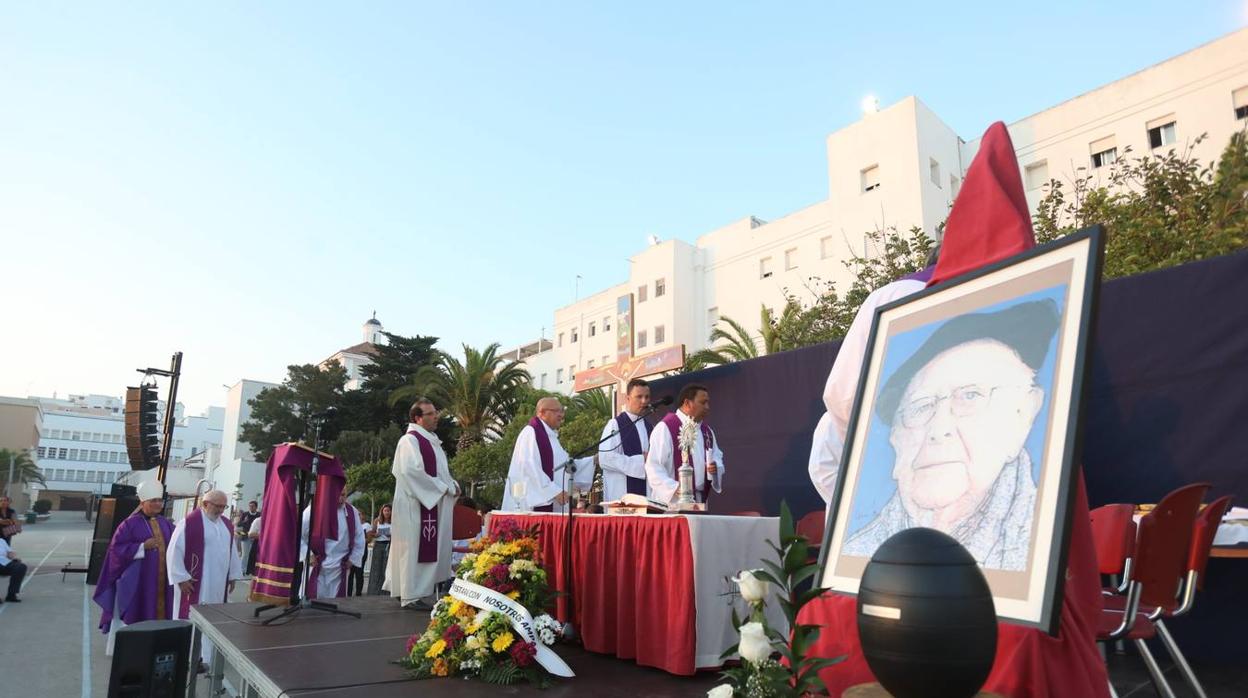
pixel 76 436
pixel 1037 174
pixel 95 455
pixel 712 317
pixel 177 443
pixel 764 268
pixel 572 373
pixel 1239 100
pixel 660 287
pixel 1104 152
pixel 1161 134
pixel 574 336
pixel 641 294
pixel 933 171
pixel 73 454
pixel 116 438
pixel 606 324
pixel 41 450
pixel 954 185
pixel 560 339
pixel 593 330
pixel 660 334
pixel 64 454
pixel 870 178
pixel 790 259
pixel 558 376
pixel 542 382
pixel 590 364
pixel 641 339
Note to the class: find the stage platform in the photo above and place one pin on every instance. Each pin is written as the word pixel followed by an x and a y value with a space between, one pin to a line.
pixel 320 654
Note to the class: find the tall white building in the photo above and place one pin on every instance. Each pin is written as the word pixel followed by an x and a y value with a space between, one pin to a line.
pixel 898 167
pixel 82 446
pixel 357 356
pixel 237 471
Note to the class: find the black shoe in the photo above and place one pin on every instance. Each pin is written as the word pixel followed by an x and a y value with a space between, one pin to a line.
pixel 14 599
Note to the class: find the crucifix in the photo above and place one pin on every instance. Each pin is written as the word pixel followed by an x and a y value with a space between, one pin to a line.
pixel 627 366
pixel 431 527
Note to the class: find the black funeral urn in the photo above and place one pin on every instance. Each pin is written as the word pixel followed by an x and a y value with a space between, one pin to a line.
pixel 925 617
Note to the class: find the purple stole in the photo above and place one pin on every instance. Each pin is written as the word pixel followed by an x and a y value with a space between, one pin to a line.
pixel 353 520
pixel 427 544
pixel 544 451
pixel 924 275
pixel 630 444
pixel 193 559
pixel 678 459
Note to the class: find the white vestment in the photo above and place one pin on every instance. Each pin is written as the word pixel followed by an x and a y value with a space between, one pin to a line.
pixel 220 565
pixel 617 467
pixel 406 577
pixel 527 485
pixel 661 483
pixel 842 385
pixel 335 550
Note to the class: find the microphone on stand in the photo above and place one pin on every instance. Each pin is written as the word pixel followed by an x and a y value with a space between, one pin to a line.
pixel 661 402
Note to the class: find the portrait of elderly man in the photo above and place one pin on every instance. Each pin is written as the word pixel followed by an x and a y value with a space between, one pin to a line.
pixel 958 412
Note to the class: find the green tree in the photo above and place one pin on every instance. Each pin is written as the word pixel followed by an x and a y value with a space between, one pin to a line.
pixel 1158 210
pixel 481 392
pixel 355 447
pixel 281 414
pixel 394 365
pixel 373 481
pixel 597 402
pixel 24 468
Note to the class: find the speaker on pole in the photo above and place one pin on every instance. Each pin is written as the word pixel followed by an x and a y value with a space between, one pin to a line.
pixel 142 428
pixel 151 660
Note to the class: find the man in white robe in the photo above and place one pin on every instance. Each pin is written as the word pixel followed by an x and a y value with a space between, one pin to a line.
pixel 202 559
pixel 422 513
pixel 623 459
pixel 662 465
pixel 535 480
pixel 341 554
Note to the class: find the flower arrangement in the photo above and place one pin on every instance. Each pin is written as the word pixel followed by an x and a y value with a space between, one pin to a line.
pixel 462 640
pixel 761 674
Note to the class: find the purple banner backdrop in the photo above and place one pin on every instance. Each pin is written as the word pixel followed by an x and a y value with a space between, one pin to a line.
pixel 1167 405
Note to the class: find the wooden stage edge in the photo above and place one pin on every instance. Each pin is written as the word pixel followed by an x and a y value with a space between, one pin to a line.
pixel 321 654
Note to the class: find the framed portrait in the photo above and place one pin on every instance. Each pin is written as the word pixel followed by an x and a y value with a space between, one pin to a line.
pixel 967 420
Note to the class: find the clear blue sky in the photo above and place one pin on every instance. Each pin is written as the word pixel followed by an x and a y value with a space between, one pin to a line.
pixel 248 182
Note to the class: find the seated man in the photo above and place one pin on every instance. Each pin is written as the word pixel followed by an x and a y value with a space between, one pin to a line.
pixel 11 566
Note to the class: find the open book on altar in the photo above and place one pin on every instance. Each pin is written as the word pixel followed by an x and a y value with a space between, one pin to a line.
pixel 635 504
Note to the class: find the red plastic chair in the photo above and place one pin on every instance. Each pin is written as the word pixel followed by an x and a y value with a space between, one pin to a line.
pixel 1113 533
pixel 1207 523
pixel 811 526
pixel 1161 554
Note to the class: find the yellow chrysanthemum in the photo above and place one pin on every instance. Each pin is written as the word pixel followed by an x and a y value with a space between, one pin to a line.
pixel 466 612
pixel 440 667
pixel 502 642
pixel 436 648
pixel 513 595
pixel 455 606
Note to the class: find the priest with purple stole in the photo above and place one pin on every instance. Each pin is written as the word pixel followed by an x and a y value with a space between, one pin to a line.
pixel 202 559
pixel 535 480
pixel 665 459
pixel 626 438
pixel 422 513
pixel 344 549
pixel 133 584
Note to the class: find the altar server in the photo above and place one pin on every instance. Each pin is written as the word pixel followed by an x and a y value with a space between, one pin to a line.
pixel 328 576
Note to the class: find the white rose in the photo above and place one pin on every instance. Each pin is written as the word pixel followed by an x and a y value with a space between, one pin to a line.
pixel 755 647
pixel 720 691
pixel 752 588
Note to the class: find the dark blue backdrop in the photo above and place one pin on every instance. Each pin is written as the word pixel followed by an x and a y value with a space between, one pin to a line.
pixel 1167 405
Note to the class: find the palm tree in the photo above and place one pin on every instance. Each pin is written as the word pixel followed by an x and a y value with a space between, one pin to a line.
pixel 596 402
pixel 739 345
pixel 24 469
pixel 481 393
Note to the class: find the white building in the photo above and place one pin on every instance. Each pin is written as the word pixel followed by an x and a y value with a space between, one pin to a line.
pixel 237 472
pixel 82 446
pixel 898 167
pixel 357 356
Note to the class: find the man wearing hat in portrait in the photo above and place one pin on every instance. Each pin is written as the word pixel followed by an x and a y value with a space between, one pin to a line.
pixel 959 411
pixel 134 584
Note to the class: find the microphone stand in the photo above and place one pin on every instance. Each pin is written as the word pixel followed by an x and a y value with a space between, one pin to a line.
pixel 297 601
pixel 569 467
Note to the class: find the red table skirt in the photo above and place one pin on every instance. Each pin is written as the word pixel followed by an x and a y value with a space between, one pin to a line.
pixel 633 585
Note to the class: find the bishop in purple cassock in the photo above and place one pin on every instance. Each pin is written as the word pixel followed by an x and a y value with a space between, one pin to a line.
pixel 134 584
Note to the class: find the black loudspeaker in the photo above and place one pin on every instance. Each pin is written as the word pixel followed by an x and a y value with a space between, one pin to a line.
pixel 120 490
pixel 151 660
pixel 926 618
pixel 109 513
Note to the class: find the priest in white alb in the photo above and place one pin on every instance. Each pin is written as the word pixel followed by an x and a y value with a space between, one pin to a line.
pixel 202 559
pixel 423 510
pixel 328 576
pixel 535 480
pixel 626 438
pixel 665 458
